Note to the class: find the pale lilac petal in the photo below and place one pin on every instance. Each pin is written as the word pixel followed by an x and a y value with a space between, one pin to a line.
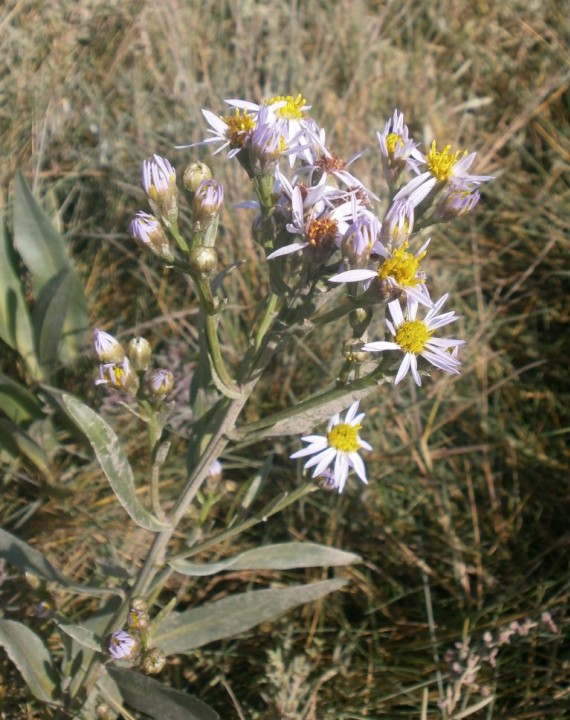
pixel 403 369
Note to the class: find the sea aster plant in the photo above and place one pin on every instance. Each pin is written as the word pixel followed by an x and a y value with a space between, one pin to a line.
pixel 339 448
pixel 414 337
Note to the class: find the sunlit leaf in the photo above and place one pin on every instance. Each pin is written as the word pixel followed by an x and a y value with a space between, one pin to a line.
pixel 284 556
pixel 231 616
pixel 29 654
pixel 113 462
pixel 156 700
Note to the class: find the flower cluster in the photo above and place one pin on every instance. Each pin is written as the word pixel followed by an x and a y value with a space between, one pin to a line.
pixel 320 210
pixel 130 643
pixel 122 370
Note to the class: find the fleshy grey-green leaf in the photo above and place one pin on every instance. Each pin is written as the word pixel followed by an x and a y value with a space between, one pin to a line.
pixel 29 654
pixel 17 402
pixel 284 556
pixel 113 462
pixel 231 616
pixel 48 317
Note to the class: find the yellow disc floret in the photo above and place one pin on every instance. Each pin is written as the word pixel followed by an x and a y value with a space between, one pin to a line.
pixel 441 163
pixel 403 267
pixel 412 336
pixel 321 232
pixel 292 107
pixel 344 437
pixel 393 141
pixel 240 126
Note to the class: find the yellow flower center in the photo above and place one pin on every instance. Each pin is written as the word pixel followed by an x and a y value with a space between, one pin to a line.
pixel 240 126
pixel 402 266
pixel 441 163
pixel 115 375
pixel 412 336
pixel 321 232
pixel 291 110
pixel 393 141
pixel 344 437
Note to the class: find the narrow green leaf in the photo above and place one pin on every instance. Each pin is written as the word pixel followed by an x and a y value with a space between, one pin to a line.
pixel 29 654
pixel 48 317
pixel 284 556
pixel 15 323
pixel 113 462
pixel 35 238
pixel 231 616
pixel 27 558
pixel 156 700
pixel 18 403
pixel 16 442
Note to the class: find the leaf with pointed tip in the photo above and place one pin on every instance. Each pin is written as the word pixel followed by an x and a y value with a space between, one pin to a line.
pixel 113 462
pixel 17 442
pixel 82 635
pixel 156 700
pixel 284 556
pixel 15 322
pixel 231 616
pixel 29 654
pixel 44 253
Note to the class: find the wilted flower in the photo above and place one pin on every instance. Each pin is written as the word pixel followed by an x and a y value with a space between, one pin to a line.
pixel 123 646
pixel 413 337
pixel 148 231
pixel 339 446
pixel 107 347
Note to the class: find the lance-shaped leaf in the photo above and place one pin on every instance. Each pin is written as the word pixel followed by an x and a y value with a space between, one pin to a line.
pixel 284 556
pixel 113 462
pixel 231 616
pixel 29 654
pixel 15 321
pixel 44 253
pixel 156 700
pixel 82 635
pixel 16 442
pixel 28 559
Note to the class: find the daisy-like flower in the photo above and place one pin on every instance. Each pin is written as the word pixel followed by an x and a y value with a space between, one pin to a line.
pixel 316 220
pixel 457 201
pixel 443 167
pixel 123 646
pixel 230 130
pixel 414 337
pixel 359 242
pixel 118 375
pixel 397 148
pixel 401 271
pixel 339 448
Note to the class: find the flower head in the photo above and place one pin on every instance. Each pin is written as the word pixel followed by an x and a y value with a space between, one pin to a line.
pixel 149 233
pixel 414 337
pixel 123 646
pixel 339 447
pixel 206 203
pixel 107 347
pixel 118 375
pixel 159 183
pixel 398 150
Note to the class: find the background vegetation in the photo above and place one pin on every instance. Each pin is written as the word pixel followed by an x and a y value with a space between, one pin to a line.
pixel 464 526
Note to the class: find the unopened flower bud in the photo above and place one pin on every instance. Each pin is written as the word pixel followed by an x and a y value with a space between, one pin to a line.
pixel 137 620
pixel 206 204
pixel 153 661
pixel 119 376
pixel 352 351
pixel 139 603
pixel 140 354
pixel 359 320
pixel 195 174
pixel 108 348
pixel 159 184
pixel 203 260
pixel 159 384
pixel 123 646
pixel 358 242
pixel 149 233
